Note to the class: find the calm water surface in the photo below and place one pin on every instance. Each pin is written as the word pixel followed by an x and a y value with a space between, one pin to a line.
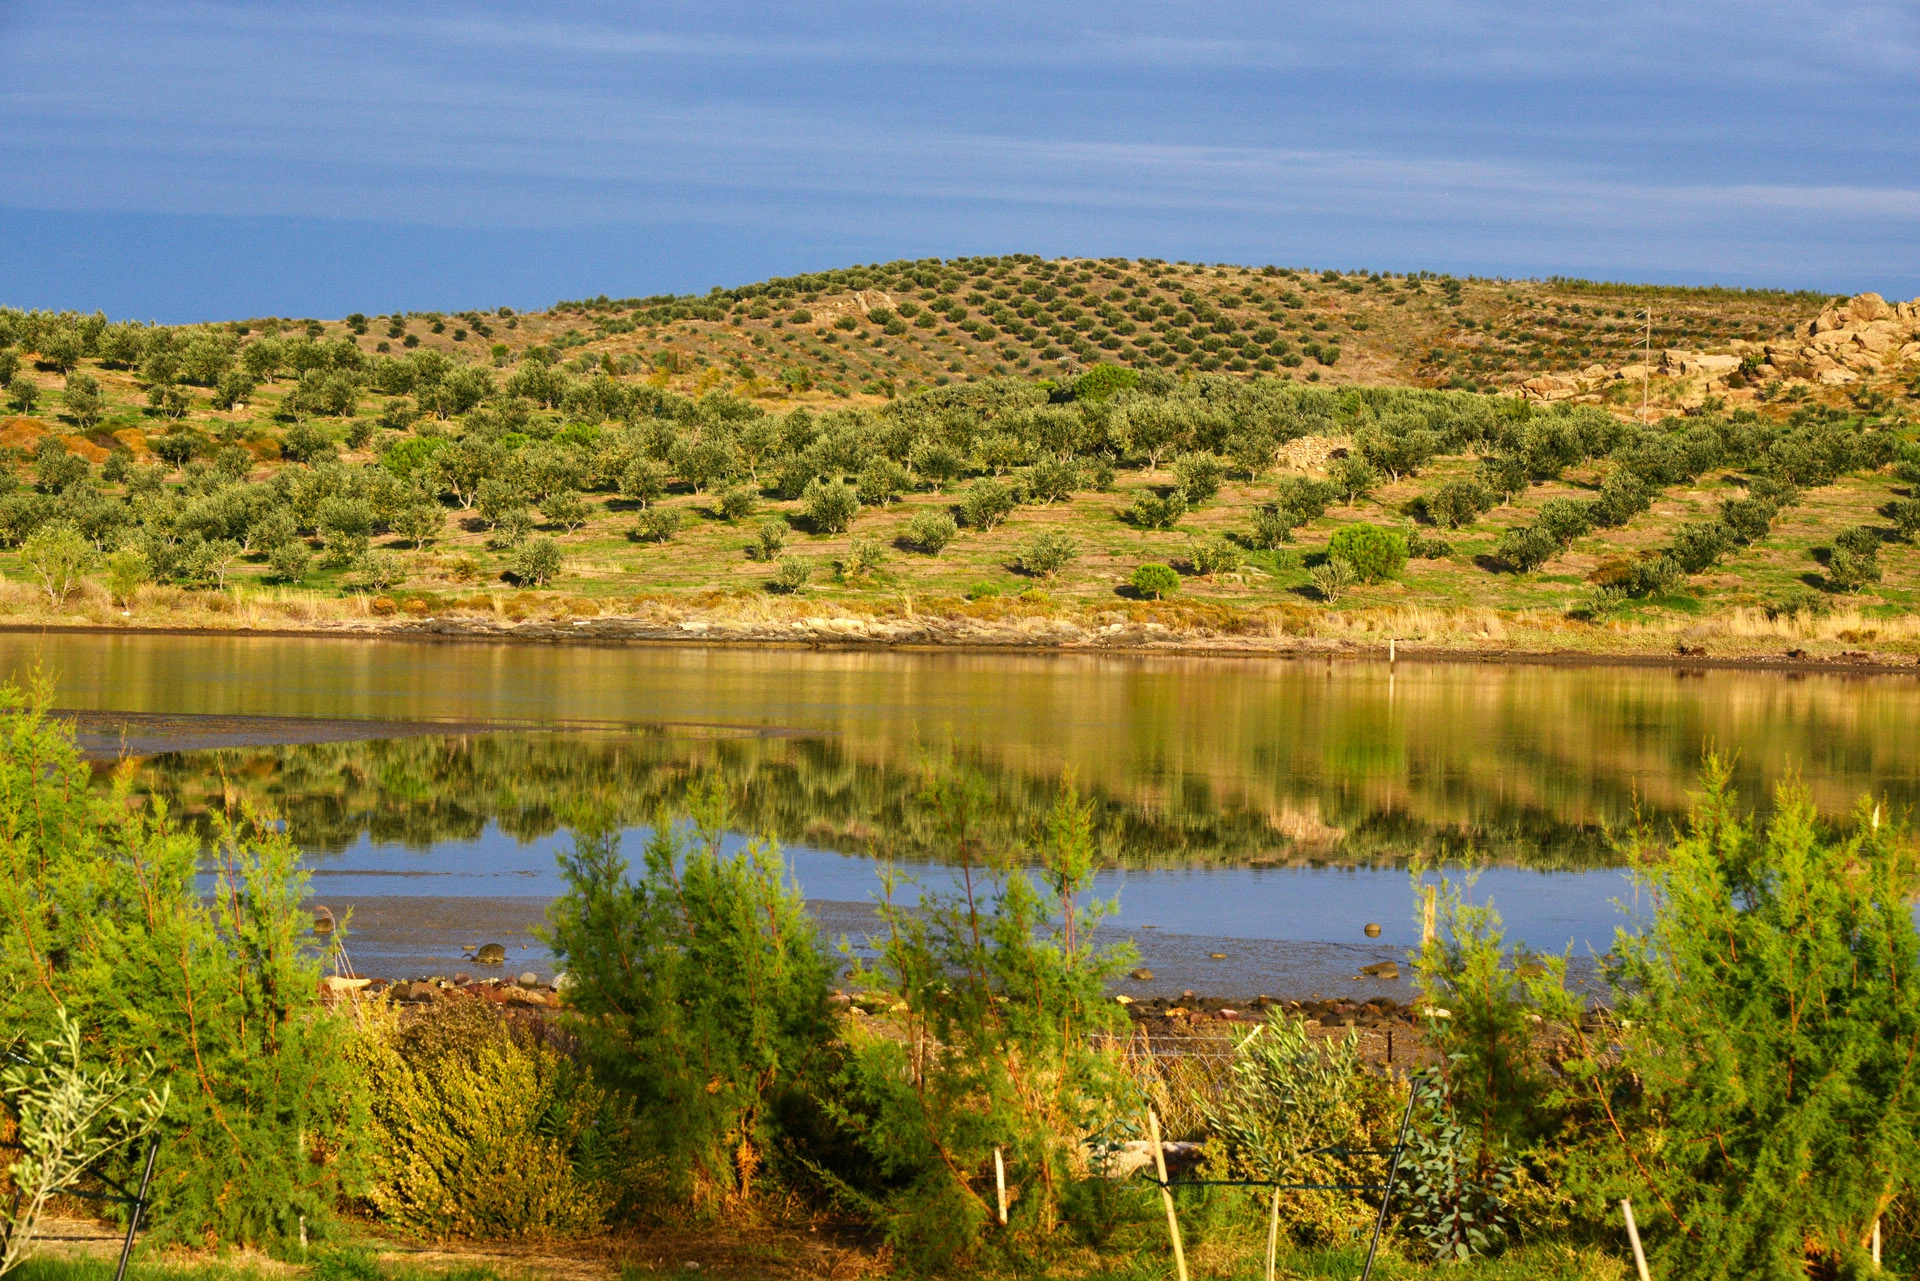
pixel 1266 809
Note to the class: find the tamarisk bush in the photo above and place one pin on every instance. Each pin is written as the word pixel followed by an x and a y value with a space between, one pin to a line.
pixel 998 988
pixel 698 994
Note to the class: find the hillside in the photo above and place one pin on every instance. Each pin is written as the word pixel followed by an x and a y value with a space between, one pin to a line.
pixel 997 443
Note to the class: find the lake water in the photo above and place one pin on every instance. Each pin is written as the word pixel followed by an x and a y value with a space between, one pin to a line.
pixel 1263 809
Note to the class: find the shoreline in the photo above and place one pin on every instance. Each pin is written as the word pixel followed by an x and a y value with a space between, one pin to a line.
pixel 853 634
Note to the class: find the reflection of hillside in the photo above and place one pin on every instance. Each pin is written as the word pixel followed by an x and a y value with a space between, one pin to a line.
pixel 421 791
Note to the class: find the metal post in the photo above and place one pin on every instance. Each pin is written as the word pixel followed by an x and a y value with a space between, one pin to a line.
pixel 133 1215
pixel 1393 1171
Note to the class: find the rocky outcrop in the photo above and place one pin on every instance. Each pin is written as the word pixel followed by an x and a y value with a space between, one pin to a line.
pixel 1841 345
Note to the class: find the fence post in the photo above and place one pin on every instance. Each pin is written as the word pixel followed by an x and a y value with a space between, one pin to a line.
pixel 1166 1196
pixel 139 1204
pixel 1633 1236
pixel 1393 1172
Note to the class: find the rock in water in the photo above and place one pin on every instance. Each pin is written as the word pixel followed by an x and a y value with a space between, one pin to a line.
pixel 1373 930
pixel 1382 970
pixel 491 954
pixel 1143 974
pixel 1216 956
pixel 529 979
pixel 323 920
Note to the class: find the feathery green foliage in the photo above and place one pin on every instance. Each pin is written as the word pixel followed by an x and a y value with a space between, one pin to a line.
pixel 698 992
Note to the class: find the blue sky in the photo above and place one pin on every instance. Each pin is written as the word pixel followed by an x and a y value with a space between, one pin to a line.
pixel 187 161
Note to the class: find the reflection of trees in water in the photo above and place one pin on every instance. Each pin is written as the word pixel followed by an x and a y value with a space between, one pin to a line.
pixel 418 792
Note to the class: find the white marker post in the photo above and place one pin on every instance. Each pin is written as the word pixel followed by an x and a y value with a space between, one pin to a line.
pixel 1166 1196
pixel 1633 1235
pixel 1000 1184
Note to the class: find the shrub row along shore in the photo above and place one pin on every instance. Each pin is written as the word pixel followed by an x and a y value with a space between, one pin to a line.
pixel 1753 1094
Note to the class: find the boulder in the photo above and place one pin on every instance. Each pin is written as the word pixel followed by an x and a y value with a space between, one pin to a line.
pixel 1881 335
pixel 1862 308
pixel 490 954
pixel 1381 970
pixel 1142 975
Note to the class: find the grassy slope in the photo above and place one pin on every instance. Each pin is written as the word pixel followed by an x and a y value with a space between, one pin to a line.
pixel 1393 331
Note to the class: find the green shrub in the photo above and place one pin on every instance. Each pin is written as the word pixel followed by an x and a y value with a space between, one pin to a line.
pixel 1331 578
pixel 290 561
pixel 1623 495
pixel 1007 982
pixel 789 577
pixel 538 563
pixel 1197 477
pixel 1103 380
pixel 1273 527
pixel 564 508
pixel 1757 1095
pixel 60 558
pixel 1851 571
pixel 1216 556
pixel 215 981
pixel 737 504
pixel 1304 496
pixel 657 524
pixel 1458 502
pixel 379 570
pixel 1906 518
pixel 1297 1110
pixel 481 1130
pixel 1373 552
pixel 931 531
pixel 1352 477
pixel 1524 548
pixel 1698 544
pixel 1151 511
pixel 986 503
pixel 1047 553
pixel 881 482
pixel 770 539
pixel 864 556
pixel 1422 547
pixel 698 993
pixel 1563 520
pixel 830 506
pixel 1156 581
